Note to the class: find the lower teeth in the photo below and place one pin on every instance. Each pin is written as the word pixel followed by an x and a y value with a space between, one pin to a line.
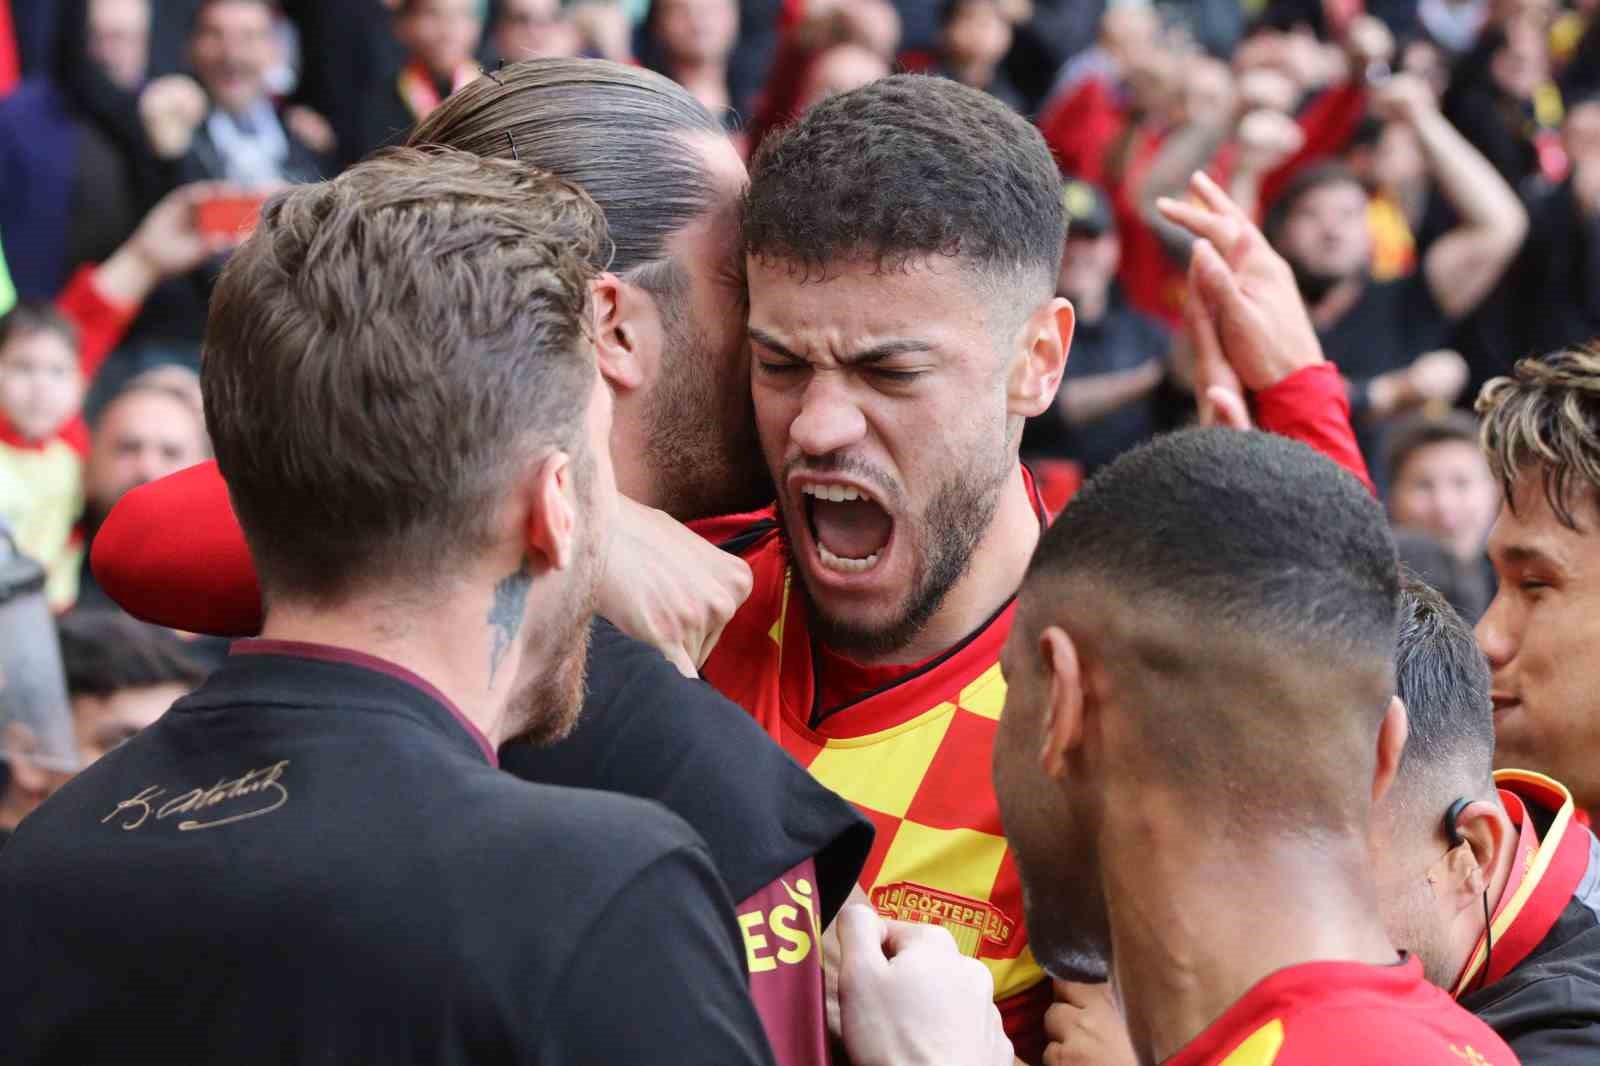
pixel 849 566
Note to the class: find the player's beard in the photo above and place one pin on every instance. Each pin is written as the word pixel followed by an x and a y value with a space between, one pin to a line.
pixel 1067 922
pixel 544 708
pixel 945 537
pixel 701 435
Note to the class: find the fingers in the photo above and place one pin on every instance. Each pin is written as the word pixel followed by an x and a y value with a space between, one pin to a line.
pixel 1214 281
pixel 1211 194
pixel 903 937
pixel 1220 229
pixel 685 663
pixel 862 935
pixel 1227 408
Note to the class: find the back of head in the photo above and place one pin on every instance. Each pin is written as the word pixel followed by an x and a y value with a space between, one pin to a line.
pixel 1543 422
pixel 383 352
pixel 619 133
pixel 1443 680
pixel 904 169
pixel 105 652
pixel 1239 592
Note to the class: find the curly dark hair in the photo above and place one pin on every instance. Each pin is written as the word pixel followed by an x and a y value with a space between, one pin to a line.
pixel 903 169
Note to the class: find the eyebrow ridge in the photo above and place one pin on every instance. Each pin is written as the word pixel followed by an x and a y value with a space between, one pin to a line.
pixel 875 354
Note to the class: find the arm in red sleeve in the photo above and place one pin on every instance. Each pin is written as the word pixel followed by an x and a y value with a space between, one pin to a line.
pixel 101 323
pixel 1328 123
pixel 1312 406
pixel 171 552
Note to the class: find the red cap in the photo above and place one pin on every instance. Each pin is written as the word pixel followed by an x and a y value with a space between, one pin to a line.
pixel 171 552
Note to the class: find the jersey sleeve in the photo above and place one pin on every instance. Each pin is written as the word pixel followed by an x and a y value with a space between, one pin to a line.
pixel 101 324
pixel 1312 406
pixel 660 971
pixel 171 552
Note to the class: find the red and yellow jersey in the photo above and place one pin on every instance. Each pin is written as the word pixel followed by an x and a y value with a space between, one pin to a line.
pixel 913 756
pixel 1346 1014
pixel 1545 873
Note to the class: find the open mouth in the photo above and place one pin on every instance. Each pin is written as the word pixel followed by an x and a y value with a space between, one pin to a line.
pixel 1502 704
pixel 851 530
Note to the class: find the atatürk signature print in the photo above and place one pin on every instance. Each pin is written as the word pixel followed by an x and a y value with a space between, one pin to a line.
pixel 265 783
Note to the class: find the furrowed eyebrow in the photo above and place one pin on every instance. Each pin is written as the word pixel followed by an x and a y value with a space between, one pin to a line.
pixel 876 354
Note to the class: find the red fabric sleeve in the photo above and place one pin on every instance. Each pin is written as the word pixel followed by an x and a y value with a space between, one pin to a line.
pixel 171 552
pixel 1312 406
pixel 1081 128
pixel 101 324
pixel 10 63
pixel 723 528
pixel 1329 122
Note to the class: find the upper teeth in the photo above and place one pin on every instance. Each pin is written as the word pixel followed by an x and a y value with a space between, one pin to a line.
pixel 834 493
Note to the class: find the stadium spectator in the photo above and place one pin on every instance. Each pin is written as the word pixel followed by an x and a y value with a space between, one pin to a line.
pixel 974 38
pixel 535 29
pixel 1388 337
pixel 122 675
pixel 441 40
pixel 48 356
pixel 838 70
pixel 1106 403
pixel 1440 485
pixel 1490 880
pixel 480 272
pixel 691 42
pixel 1538 634
pixel 68 191
pixel 238 133
pixel 1552 294
pixel 150 428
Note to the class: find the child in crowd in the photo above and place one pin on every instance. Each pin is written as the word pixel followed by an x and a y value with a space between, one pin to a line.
pixel 43 439
pixel 48 356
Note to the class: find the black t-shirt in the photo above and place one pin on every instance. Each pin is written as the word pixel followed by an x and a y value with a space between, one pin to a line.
pixel 1393 323
pixel 648 731
pixel 1122 340
pixel 313 859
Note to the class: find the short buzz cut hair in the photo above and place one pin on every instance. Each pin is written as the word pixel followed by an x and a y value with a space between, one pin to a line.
pixel 1443 679
pixel 383 353
pixel 1245 591
pixel 1544 421
pixel 904 169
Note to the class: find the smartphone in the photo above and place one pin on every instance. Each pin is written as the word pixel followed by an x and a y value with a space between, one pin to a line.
pixel 228 215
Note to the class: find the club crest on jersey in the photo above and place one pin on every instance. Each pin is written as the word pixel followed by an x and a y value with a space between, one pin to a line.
pixel 973 923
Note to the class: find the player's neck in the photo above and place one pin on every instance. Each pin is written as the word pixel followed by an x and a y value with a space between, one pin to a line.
pixel 450 642
pixel 992 577
pixel 1198 919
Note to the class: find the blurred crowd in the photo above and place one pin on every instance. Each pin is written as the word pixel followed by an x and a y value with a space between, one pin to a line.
pixel 1429 168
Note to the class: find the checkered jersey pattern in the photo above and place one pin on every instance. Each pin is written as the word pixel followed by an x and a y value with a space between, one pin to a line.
pixel 914 759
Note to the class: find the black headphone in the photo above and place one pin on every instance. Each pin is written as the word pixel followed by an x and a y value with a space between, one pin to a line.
pixel 1451 817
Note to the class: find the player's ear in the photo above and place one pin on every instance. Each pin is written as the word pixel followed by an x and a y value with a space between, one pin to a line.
pixel 1063 724
pixel 1040 359
pixel 629 335
pixel 549 505
pixel 1485 831
pixel 1391 742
